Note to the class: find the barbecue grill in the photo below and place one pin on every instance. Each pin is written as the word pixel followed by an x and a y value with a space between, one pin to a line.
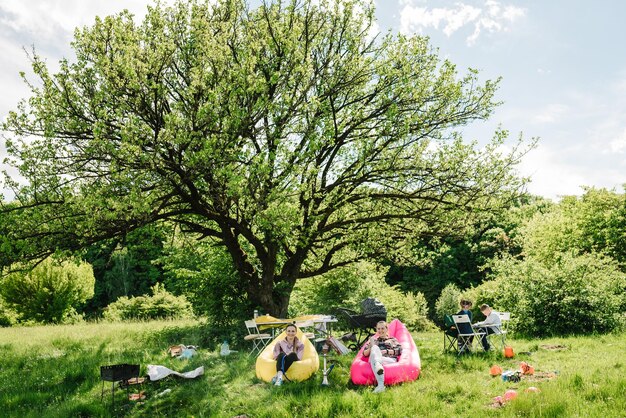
pixel 121 373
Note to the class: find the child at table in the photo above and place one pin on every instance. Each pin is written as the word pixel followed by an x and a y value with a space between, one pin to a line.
pixel 465 342
pixel 491 324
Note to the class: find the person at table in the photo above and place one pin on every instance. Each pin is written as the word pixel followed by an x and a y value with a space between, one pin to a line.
pixel 465 342
pixel 381 349
pixel 491 325
pixel 286 351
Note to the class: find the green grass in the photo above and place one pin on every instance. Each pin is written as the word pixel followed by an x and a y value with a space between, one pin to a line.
pixel 53 371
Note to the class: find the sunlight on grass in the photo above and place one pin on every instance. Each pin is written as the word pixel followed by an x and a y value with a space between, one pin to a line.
pixel 53 371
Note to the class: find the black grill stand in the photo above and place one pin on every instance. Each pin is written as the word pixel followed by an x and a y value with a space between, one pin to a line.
pixel 117 373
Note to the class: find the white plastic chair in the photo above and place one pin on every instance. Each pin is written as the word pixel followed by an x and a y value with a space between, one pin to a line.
pixel 259 340
pixel 499 331
pixel 505 317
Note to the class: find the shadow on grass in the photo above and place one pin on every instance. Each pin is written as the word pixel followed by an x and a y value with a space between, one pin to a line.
pixel 34 383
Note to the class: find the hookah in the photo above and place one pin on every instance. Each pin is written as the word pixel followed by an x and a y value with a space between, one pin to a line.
pixel 326 371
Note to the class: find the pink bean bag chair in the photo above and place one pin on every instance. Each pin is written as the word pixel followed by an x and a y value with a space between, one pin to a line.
pixel 405 370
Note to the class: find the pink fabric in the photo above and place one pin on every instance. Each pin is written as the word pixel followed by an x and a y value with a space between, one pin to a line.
pixel 406 369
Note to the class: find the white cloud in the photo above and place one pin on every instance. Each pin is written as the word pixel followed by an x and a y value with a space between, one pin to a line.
pixel 416 18
pixel 618 145
pixel 491 16
pixel 608 134
pixel 550 176
pixel 583 140
pixel 602 108
pixel 46 18
pixel 550 113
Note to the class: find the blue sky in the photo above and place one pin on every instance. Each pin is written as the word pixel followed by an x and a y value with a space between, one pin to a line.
pixel 562 64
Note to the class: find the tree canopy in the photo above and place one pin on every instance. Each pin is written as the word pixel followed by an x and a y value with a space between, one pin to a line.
pixel 289 133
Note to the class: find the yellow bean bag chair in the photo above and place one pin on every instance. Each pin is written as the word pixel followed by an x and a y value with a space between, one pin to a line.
pixel 299 370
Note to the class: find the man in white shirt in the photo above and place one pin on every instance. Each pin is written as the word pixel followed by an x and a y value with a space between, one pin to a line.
pixel 491 324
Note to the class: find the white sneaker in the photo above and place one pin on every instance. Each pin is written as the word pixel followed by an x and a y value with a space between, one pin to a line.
pixel 379 389
pixel 279 381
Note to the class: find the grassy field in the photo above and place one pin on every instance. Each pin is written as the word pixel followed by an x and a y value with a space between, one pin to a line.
pixel 53 371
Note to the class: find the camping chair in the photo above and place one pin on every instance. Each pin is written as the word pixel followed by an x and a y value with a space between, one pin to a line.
pixel 505 317
pixel 500 332
pixel 466 334
pixel 361 326
pixel 450 333
pixel 259 340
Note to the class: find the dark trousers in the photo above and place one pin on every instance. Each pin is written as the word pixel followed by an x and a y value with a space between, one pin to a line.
pixel 487 331
pixel 284 361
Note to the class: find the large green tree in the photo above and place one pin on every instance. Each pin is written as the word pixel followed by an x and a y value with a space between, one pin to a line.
pixel 289 134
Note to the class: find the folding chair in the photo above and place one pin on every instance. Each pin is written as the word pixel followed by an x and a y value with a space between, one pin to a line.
pixel 259 340
pixel 498 332
pixel 501 331
pixel 466 334
pixel 505 317
pixel 450 342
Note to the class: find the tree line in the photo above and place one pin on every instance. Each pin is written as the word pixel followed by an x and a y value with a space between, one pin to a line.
pixel 559 266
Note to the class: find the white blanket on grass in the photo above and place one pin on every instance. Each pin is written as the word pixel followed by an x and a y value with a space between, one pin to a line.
pixel 156 372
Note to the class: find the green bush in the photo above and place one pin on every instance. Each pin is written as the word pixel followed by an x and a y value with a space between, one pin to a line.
pixel 448 302
pixel 574 295
pixel 161 305
pixel 323 293
pixel 50 292
pixel 8 316
pixel 347 287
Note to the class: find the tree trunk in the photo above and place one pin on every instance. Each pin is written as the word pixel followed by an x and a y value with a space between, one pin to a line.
pixel 274 298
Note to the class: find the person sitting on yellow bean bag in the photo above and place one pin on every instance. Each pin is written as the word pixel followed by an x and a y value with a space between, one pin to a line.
pixel 291 354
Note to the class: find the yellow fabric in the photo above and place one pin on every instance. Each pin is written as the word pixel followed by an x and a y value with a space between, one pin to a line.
pixel 262 321
pixel 267 318
pixel 299 370
pixel 307 317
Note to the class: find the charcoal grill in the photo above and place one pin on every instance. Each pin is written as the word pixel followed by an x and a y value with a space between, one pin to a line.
pixel 117 373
